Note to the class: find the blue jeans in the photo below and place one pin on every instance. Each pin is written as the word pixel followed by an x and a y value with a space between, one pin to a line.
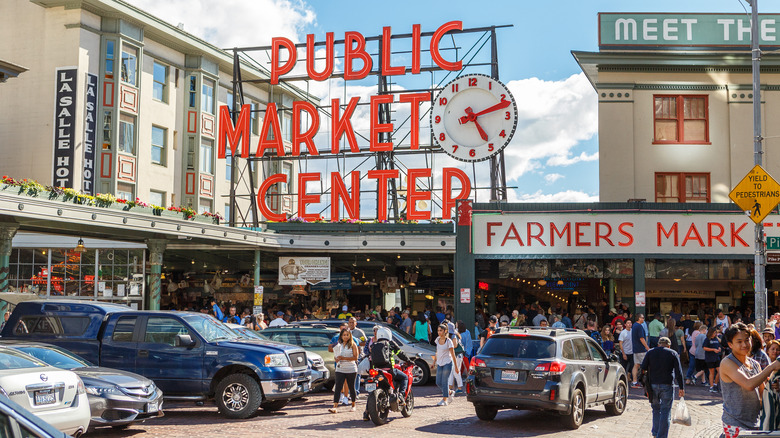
pixel 443 378
pixel 663 395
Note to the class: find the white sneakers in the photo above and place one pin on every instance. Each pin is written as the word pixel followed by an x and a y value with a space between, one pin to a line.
pixel 442 403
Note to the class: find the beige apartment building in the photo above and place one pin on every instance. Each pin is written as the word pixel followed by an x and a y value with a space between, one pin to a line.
pixel 115 100
pixel 675 104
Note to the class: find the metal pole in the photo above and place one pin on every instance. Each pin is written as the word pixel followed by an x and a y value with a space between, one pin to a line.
pixel 758 154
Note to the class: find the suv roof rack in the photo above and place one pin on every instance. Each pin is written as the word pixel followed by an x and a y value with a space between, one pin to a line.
pixel 552 331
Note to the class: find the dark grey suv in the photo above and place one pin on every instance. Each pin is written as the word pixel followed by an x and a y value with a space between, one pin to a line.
pixel 561 370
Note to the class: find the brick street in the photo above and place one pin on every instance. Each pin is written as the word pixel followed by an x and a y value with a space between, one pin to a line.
pixel 309 418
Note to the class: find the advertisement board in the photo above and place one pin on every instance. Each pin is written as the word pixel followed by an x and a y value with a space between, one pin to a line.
pixel 303 270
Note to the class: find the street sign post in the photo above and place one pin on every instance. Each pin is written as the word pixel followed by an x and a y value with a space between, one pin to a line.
pixel 757 193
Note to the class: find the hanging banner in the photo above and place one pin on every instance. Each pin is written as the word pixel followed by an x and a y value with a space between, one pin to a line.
pixel 303 270
pixel 90 118
pixel 64 127
pixel 338 280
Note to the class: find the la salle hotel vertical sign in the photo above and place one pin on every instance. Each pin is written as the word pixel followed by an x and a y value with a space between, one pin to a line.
pixel 64 127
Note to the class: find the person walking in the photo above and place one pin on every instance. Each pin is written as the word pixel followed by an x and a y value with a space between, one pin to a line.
pixel 654 330
pixel 627 350
pixel 770 399
pixel 444 360
pixel 422 328
pixel 455 375
pixel 712 349
pixel 662 365
pixel 345 353
pixel 742 383
pixel 639 346
pixel 488 332
pixel 465 337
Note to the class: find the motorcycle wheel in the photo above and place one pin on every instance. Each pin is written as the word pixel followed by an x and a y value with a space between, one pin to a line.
pixel 378 406
pixel 407 410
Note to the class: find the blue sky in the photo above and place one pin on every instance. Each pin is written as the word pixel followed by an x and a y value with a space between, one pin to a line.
pixel 554 155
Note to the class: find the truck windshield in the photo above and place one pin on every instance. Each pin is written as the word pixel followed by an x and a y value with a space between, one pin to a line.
pixel 209 328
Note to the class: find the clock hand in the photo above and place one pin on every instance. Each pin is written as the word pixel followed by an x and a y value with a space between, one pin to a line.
pixel 473 117
pixel 496 107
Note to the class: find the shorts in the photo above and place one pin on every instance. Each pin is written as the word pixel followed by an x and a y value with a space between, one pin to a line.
pixel 713 365
pixel 701 365
pixel 639 358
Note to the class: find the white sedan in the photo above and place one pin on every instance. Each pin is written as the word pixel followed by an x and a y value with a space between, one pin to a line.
pixel 55 395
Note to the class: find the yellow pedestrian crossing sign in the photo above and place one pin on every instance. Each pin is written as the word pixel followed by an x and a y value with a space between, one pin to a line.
pixel 757 193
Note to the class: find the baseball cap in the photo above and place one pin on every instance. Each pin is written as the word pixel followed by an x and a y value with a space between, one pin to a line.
pixel 493 318
pixel 664 340
pixel 280 313
pixel 344 308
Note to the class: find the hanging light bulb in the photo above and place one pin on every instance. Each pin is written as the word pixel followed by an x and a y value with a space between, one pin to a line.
pixel 80 247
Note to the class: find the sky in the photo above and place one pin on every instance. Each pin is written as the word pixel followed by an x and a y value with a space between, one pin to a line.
pixel 553 156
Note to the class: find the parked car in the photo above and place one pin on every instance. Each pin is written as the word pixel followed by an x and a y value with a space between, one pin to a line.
pixel 314 339
pixel 190 356
pixel 54 395
pixel 116 398
pixel 18 422
pixel 320 374
pixel 560 370
pixel 422 351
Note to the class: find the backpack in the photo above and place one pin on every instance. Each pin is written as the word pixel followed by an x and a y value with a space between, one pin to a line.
pixel 380 355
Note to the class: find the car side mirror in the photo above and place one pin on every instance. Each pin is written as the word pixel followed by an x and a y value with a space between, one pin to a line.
pixel 613 358
pixel 184 341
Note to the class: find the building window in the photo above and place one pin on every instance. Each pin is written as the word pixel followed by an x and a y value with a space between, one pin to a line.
pixel 129 64
pixel 159 135
pixel 157 198
pixel 207 97
pixel 193 90
pixel 205 205
pixel 190 153
pixel 284 188
pixel 207 156
pixel 107 130
pixel 287 127
pixel 125 191
pixel 109 59
pixel 230 101
pixel 254 118
pixel 228 165
pixel 227 213
pixel 127 134
pixel 682 187
pixel 160 88
pixel 681 119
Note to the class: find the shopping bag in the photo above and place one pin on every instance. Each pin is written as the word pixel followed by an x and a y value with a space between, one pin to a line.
pixel 681 414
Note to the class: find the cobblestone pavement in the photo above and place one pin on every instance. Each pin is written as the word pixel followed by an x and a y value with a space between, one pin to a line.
pixel 309 418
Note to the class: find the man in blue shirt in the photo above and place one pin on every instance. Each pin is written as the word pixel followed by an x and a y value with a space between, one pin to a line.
pixel 639 344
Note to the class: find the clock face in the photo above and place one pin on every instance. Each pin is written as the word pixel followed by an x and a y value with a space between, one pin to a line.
pixel 473 117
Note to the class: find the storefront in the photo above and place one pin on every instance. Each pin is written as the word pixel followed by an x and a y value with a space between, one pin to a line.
pixel 654 257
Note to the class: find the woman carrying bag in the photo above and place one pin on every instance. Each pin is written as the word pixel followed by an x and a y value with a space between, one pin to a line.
pixel 444 360
pixel 345 353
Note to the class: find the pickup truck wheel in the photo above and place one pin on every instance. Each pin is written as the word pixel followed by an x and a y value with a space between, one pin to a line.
pixel 420 373
pixel 486 412
pixel 621 396
pixel 274 405
pixel 238 396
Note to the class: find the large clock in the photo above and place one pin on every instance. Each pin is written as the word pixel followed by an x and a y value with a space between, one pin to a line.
pixel 473 117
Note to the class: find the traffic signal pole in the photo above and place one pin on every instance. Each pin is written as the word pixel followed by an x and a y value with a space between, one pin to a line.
pixel 758 155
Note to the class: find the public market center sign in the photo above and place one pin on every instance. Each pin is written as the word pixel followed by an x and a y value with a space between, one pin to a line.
pixel 651 30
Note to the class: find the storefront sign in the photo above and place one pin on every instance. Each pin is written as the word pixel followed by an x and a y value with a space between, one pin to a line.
pixel 692 294
pixel 258 300
pixel 338 280
pixel 303 270
pixel 306 124
pixel 639 299
pixel 90 120
pixel 596 233
pixel 660 29
pixel 465 295
pixel 64 127
pixel 773 257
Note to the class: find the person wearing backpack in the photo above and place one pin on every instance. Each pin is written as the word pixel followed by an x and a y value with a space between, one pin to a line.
pixel 382 354
pixel 488 332
pixel 455 376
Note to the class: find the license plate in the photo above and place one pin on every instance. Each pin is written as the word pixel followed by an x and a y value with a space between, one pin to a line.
pixel 370 387
pixel 45 397
pixel 152 408
pixel 510 375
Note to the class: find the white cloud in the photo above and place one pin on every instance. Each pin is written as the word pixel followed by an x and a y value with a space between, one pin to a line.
pixel 235 23
pixel 552 177
pixel 566 196
pixel 553 117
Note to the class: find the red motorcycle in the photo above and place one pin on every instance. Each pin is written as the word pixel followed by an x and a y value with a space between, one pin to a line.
pixel 379 386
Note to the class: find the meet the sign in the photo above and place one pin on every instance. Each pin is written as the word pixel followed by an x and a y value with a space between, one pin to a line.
pixel 669 29
pixel 303 270
pixel 613 233
pixel 64 127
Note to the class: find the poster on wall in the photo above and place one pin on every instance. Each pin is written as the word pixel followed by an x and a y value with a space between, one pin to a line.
pixel 465 295
pixel 64 127
pixel 90 124
pixel 303 270
pixel 639 299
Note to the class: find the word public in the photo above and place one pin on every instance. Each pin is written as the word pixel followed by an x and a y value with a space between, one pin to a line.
pixel 270 143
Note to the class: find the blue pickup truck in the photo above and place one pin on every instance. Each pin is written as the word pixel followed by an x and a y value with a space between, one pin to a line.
pixel 190 356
